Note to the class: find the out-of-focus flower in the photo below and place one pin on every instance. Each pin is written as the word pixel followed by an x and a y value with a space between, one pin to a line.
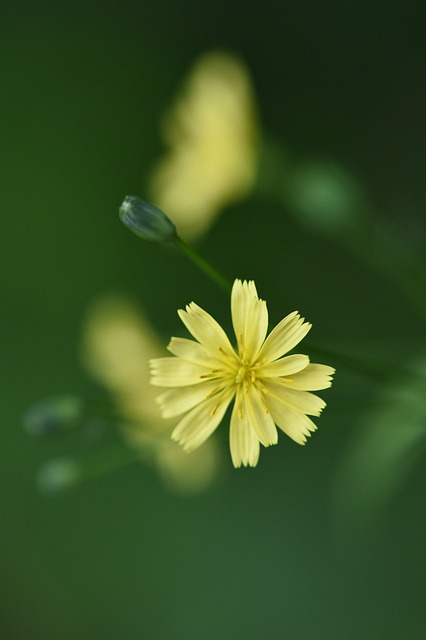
pixel 118 343
pixel 269 389
pixel 212 138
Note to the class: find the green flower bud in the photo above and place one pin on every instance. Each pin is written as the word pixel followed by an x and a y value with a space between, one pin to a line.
pixel 58 475
pixel 146 220
pixel 326 198
pixel 59 414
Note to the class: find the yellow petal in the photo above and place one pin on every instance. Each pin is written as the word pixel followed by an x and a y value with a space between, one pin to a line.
pixel 194 352
pixel 205 329
pixel 296 425
pixel 197 425
pixel 180 400
pixel 174 372
pixel 259 417
pixel 287 366
pixel 249 318
pixel 301 401
pixel 286 335
pixel 313 378
pixel 242 296
pixel 243 441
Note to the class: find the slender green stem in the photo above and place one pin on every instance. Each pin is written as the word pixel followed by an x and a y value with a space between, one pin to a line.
pixel 389 256
pixel 68 473
pixel 378 371
pixel 107 460
pixel 357 227
pixel 203 264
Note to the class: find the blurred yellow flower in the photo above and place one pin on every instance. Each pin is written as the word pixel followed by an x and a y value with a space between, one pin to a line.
pixel 269 389
pixel 212 138
pixel 118 343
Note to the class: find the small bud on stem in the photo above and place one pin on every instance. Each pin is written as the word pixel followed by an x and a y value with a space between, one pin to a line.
pixel 146 220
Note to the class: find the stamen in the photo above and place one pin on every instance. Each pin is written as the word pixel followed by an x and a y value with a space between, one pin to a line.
pixel 240 375
pixel 284 381
pixel 265 408
pixel 212 393
pixel 213 411
pixel 263 390
pixel 212 374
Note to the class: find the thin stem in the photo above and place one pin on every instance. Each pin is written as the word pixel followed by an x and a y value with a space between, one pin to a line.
pixel 203 264
pixel 68 473
pixel 378 371
pixel 389 256
pixel 358 228
pixel 107 460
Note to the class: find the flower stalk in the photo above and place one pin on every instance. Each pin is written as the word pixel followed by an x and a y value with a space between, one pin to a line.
pixel 62 474
pixel 201 263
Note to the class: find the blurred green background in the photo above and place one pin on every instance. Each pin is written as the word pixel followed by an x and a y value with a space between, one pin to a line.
pixel 264 553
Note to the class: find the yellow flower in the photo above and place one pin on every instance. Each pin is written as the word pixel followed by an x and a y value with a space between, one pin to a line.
pixel 118 343
pixel 212 135
pixel 269 390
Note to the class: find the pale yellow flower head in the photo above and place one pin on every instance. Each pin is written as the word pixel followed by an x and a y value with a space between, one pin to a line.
pixel 268 387
pixel 118 343
pixel 212 137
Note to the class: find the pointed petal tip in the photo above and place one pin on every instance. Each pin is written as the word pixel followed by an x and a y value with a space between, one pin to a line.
pixel 246 464
pixel 173 435
pixel 181 442
pixel 270 444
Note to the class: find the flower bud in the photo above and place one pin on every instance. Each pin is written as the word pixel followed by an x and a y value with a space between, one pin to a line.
pixel 59 414
pixel 58 475
pixel 326 198
pixel 146 220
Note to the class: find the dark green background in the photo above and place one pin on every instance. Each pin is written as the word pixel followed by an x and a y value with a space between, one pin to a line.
pixel 83 88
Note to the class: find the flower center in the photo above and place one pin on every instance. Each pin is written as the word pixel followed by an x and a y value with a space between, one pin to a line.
pixel 245 373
